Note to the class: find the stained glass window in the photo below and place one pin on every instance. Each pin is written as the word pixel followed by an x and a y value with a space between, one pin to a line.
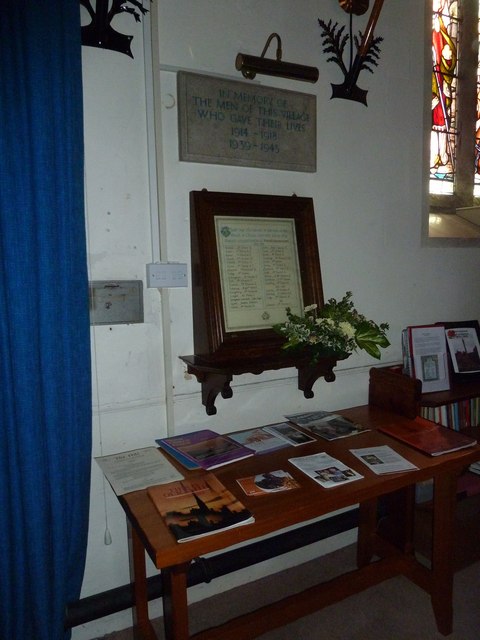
pixel 477 117
pixel 445 33
pixel 454 162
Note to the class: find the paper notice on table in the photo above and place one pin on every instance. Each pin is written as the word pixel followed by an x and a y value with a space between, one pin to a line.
pixel 137 469
pixel 383 459
pixel 327 471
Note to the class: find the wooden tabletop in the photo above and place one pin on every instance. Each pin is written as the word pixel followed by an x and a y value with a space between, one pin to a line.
pixel 276 511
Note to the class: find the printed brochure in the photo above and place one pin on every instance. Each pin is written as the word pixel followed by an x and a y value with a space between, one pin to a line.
pixel 327 471
pixel 268 482
pixel 383 459
pixel 326 425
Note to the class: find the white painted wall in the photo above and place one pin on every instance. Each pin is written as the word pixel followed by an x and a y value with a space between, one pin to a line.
pixel 367 194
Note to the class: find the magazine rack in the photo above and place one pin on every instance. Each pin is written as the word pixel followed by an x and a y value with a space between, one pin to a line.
pixel 390 389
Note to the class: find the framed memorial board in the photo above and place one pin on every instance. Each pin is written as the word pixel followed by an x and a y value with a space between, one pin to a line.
pixel 252 256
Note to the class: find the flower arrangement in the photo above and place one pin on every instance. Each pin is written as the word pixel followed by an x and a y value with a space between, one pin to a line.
pixel 335 330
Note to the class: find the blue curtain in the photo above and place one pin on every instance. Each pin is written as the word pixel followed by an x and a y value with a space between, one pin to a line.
pixel 45 390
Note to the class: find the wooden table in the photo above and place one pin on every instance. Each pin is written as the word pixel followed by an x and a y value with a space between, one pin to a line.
pixel 382 552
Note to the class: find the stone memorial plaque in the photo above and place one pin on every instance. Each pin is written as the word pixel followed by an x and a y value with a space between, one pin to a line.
pixel 223 121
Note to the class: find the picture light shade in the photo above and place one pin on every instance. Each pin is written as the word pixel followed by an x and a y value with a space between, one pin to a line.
pixel 251 65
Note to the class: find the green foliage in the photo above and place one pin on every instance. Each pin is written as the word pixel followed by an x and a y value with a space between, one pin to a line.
pixel 336 329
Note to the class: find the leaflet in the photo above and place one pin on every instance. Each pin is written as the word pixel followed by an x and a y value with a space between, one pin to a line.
pixel 383 459
pixel 137 469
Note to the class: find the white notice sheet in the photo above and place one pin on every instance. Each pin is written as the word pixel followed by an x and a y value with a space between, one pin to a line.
pixel 383 459
pixel 137 469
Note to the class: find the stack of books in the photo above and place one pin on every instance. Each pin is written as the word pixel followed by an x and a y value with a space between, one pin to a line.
pixel 204 449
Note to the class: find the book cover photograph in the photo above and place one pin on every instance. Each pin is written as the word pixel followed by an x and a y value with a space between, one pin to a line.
pixel 327 471
pixel 205 448
pixel 383 459
pixel 464 347
pixel 269 482
pixel 427 353
pixel 259 440
pixel 428 437
pixel 334 426
pixel 288 433
pixel 198 507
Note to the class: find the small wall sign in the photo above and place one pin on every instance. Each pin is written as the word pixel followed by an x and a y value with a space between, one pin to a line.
pixel 229 122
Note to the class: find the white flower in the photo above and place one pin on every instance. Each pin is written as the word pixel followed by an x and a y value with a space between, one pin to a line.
pixel 310 307
pixel 325 322
pixel 347 329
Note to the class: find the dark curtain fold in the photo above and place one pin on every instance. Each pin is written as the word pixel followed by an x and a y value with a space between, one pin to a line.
pixel 45 447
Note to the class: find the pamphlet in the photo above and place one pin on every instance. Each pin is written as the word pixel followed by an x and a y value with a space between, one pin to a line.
pixel 269 482
pixel 205 448
pixel 383 459
pixel 308 417
pixel 289 434
pixel 329 426
pixel 137 469
pixel 428 353
pixel 259 440
pixel 327 471
pixel 464 349
pixel 198 507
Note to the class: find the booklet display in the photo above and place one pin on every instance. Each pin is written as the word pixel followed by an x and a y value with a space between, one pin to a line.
pixel 308 417
pixel 327 471
pixel 383 459
pixel 464 347
pixel 259 440
pixel 329 426
pixel 426 357
pixel 269 482
pixel 198 507
pixel 205 448
pixel 289 434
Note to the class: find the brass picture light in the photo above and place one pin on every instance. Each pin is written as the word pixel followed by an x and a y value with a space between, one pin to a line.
pixel 251 65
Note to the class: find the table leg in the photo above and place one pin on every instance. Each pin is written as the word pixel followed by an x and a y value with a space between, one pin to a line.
pixel 175 603
pixel 143 628
pixel 396 525
pixel 442 551
pixel 367 526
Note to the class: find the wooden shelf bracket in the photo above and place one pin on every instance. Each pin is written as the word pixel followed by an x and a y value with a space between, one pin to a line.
pixel 215 377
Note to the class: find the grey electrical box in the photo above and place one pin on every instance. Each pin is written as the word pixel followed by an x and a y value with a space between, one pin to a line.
pixel 116 301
